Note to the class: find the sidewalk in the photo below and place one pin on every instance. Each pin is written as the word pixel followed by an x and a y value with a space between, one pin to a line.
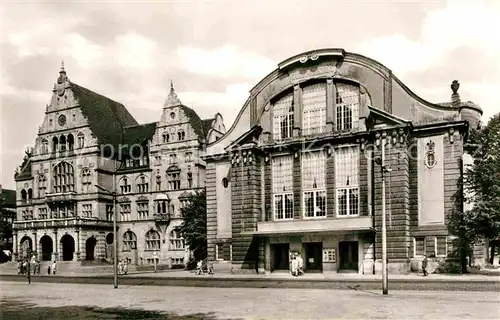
pixel 182 274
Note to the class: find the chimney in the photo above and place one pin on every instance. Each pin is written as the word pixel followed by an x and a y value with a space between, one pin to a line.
pixel 455 97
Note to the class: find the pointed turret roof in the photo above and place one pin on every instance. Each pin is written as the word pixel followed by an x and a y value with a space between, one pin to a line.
pixel 172 99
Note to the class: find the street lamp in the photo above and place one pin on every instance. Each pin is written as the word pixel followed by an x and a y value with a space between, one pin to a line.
pixel 381 162
pixel 115 238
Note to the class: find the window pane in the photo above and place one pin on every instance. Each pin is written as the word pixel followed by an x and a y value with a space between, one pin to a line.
pixel 314 109
pixel 313 170
pixel 283 117
pixel 282 173
pixel 342 202
pixel 346 167
pixel 309 204
pixel 347 102
pixel 353 201
pixel 441 246
pixel 288 206
pixel 320 203
pixel 278 206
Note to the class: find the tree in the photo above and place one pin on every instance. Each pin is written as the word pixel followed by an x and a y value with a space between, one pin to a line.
pixel 194 226
pixel 5 227
pixel 483 183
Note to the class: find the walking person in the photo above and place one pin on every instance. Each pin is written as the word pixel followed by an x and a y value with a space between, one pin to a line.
pixel 54 267
pixel 300 264
pixel 424 265
pixel 295 266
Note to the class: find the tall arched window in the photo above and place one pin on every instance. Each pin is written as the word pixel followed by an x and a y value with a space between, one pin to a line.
pixel 125 186
pixel 166 137
pixel 30 195
pixel 24 196
pixel 152 240
pixel 71 142
pixel 81 140
pixel 42 185
pixel 129 241
pixel 64 178
pixel 181 134
pixel 142 184
pixel 55 144
pixel 176 240
pixel 44 147
pixel 347 106
pixel 314 109
pixel 62 143
pixel 283 117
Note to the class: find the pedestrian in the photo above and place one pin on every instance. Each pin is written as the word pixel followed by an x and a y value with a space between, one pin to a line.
pixel 210 267
pixel 54 267
pixel 19 267
pixel 424 265
pixel 48 269
pixel 300 264
pixel 295 266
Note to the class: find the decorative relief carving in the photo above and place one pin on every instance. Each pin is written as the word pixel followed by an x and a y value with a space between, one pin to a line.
pixel 430 155
pixel 302 74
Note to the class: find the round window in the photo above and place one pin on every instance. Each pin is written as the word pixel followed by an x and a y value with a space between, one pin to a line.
pixel 225 182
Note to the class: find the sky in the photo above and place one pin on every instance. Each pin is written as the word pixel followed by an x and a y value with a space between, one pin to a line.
pixel 216 51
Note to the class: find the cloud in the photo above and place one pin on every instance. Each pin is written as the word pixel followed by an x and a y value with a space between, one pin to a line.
pixel 225 61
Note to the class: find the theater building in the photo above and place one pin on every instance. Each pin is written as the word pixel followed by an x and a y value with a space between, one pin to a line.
pixel 87 139
pixel 301 169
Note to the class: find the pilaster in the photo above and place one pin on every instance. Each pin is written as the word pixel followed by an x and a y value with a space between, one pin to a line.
pixel 330 105
pixel 297 186
pixel 297 110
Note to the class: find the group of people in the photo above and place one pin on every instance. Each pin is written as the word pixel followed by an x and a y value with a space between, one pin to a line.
pixel 123 266
pixel 200 269
pixel 297 265
pixel 33 267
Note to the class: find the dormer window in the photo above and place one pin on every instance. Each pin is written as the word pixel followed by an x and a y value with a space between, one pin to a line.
pixel 181 135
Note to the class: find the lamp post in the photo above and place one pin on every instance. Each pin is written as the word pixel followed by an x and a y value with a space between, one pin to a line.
pixel 115 238
pixel 381 161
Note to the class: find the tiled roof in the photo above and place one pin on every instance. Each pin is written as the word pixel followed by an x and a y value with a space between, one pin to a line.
pixel 138 134
pixel 195 121
pixel 207 125
pixel 105 116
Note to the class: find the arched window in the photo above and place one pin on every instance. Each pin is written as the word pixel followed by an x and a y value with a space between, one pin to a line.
pixel 30 195
pixel 152 240
pixel 347 106
pixel 314 109
pixel 161 207
pixel 81 140
pixel 166 137
pixel 142 184
pixel 125 186
pixel 62 143
pixel 181 134
pixel 283 117
pixel 176 240
pixel 64 178
pixel 129 241
pixel 42 185
pixel 86 180
pixel 71 142
pixel 55 144
pixel 44 147
pixel 24 196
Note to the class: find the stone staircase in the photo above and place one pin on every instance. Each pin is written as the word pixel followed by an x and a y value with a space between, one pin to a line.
pixel 63 267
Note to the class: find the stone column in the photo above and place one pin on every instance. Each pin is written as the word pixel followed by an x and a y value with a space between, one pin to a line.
pixel 36 245
pixel 330 105
pixel 297 110
pixel 77 253
pixel 14 247
pixel 56 247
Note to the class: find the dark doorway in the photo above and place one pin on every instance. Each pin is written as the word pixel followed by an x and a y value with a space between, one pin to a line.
pixel 281 255
pixel 109 245
pixel 68 247
pixel 47 248
pixel 348 255
pixel 314 256
pixel 90 248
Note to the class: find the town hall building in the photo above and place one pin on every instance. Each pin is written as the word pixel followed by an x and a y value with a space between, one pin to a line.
pixel 300 170
pixel 89 146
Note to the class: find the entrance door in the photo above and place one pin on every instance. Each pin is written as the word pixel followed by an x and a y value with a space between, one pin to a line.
pixel 47 248
pixel 348 254
pixel 90 248
pixel 281 256
pixel 68 247
pixel 314 256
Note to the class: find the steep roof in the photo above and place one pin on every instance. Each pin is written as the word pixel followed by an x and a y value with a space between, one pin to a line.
pixel 106 117
pixel 207 125
pixel 138 134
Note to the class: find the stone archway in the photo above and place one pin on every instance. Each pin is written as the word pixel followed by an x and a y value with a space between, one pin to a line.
pixel 90 248
pixel 68 247
pixel 26 247
pixel 109 245
pixel 47 248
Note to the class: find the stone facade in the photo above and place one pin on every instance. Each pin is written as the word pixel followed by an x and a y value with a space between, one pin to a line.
pixel 350 128
pixel 90 146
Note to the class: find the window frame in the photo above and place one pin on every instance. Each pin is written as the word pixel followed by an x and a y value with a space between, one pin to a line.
pixel 347 188
pixel 445 246
pixel 219 253
pixel 281 116
pixel 283 194
pixel 415 247
pixel 314 191
pixel 312 110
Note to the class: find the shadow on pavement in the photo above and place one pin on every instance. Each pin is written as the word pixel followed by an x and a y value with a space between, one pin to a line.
pixel 16 309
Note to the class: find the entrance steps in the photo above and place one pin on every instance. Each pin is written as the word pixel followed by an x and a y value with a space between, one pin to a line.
pixel 63 267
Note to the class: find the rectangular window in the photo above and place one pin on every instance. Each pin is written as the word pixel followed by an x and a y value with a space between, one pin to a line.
pixel 283 118
pixel 109 212
pixel 347 181
pixel 174 180
pixel 282 175
pixel 347 106
pixel 87 210
pixel 143 210
pixel 418 246
pixel 142 185
pixel 27 214
pixel 314 109
pixel 313 184
pixel 219 253
pixel 125 212
pixel 42 213
pixel 441 246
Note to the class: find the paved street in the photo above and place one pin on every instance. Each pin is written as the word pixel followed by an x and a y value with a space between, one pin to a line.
pixel 254 303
